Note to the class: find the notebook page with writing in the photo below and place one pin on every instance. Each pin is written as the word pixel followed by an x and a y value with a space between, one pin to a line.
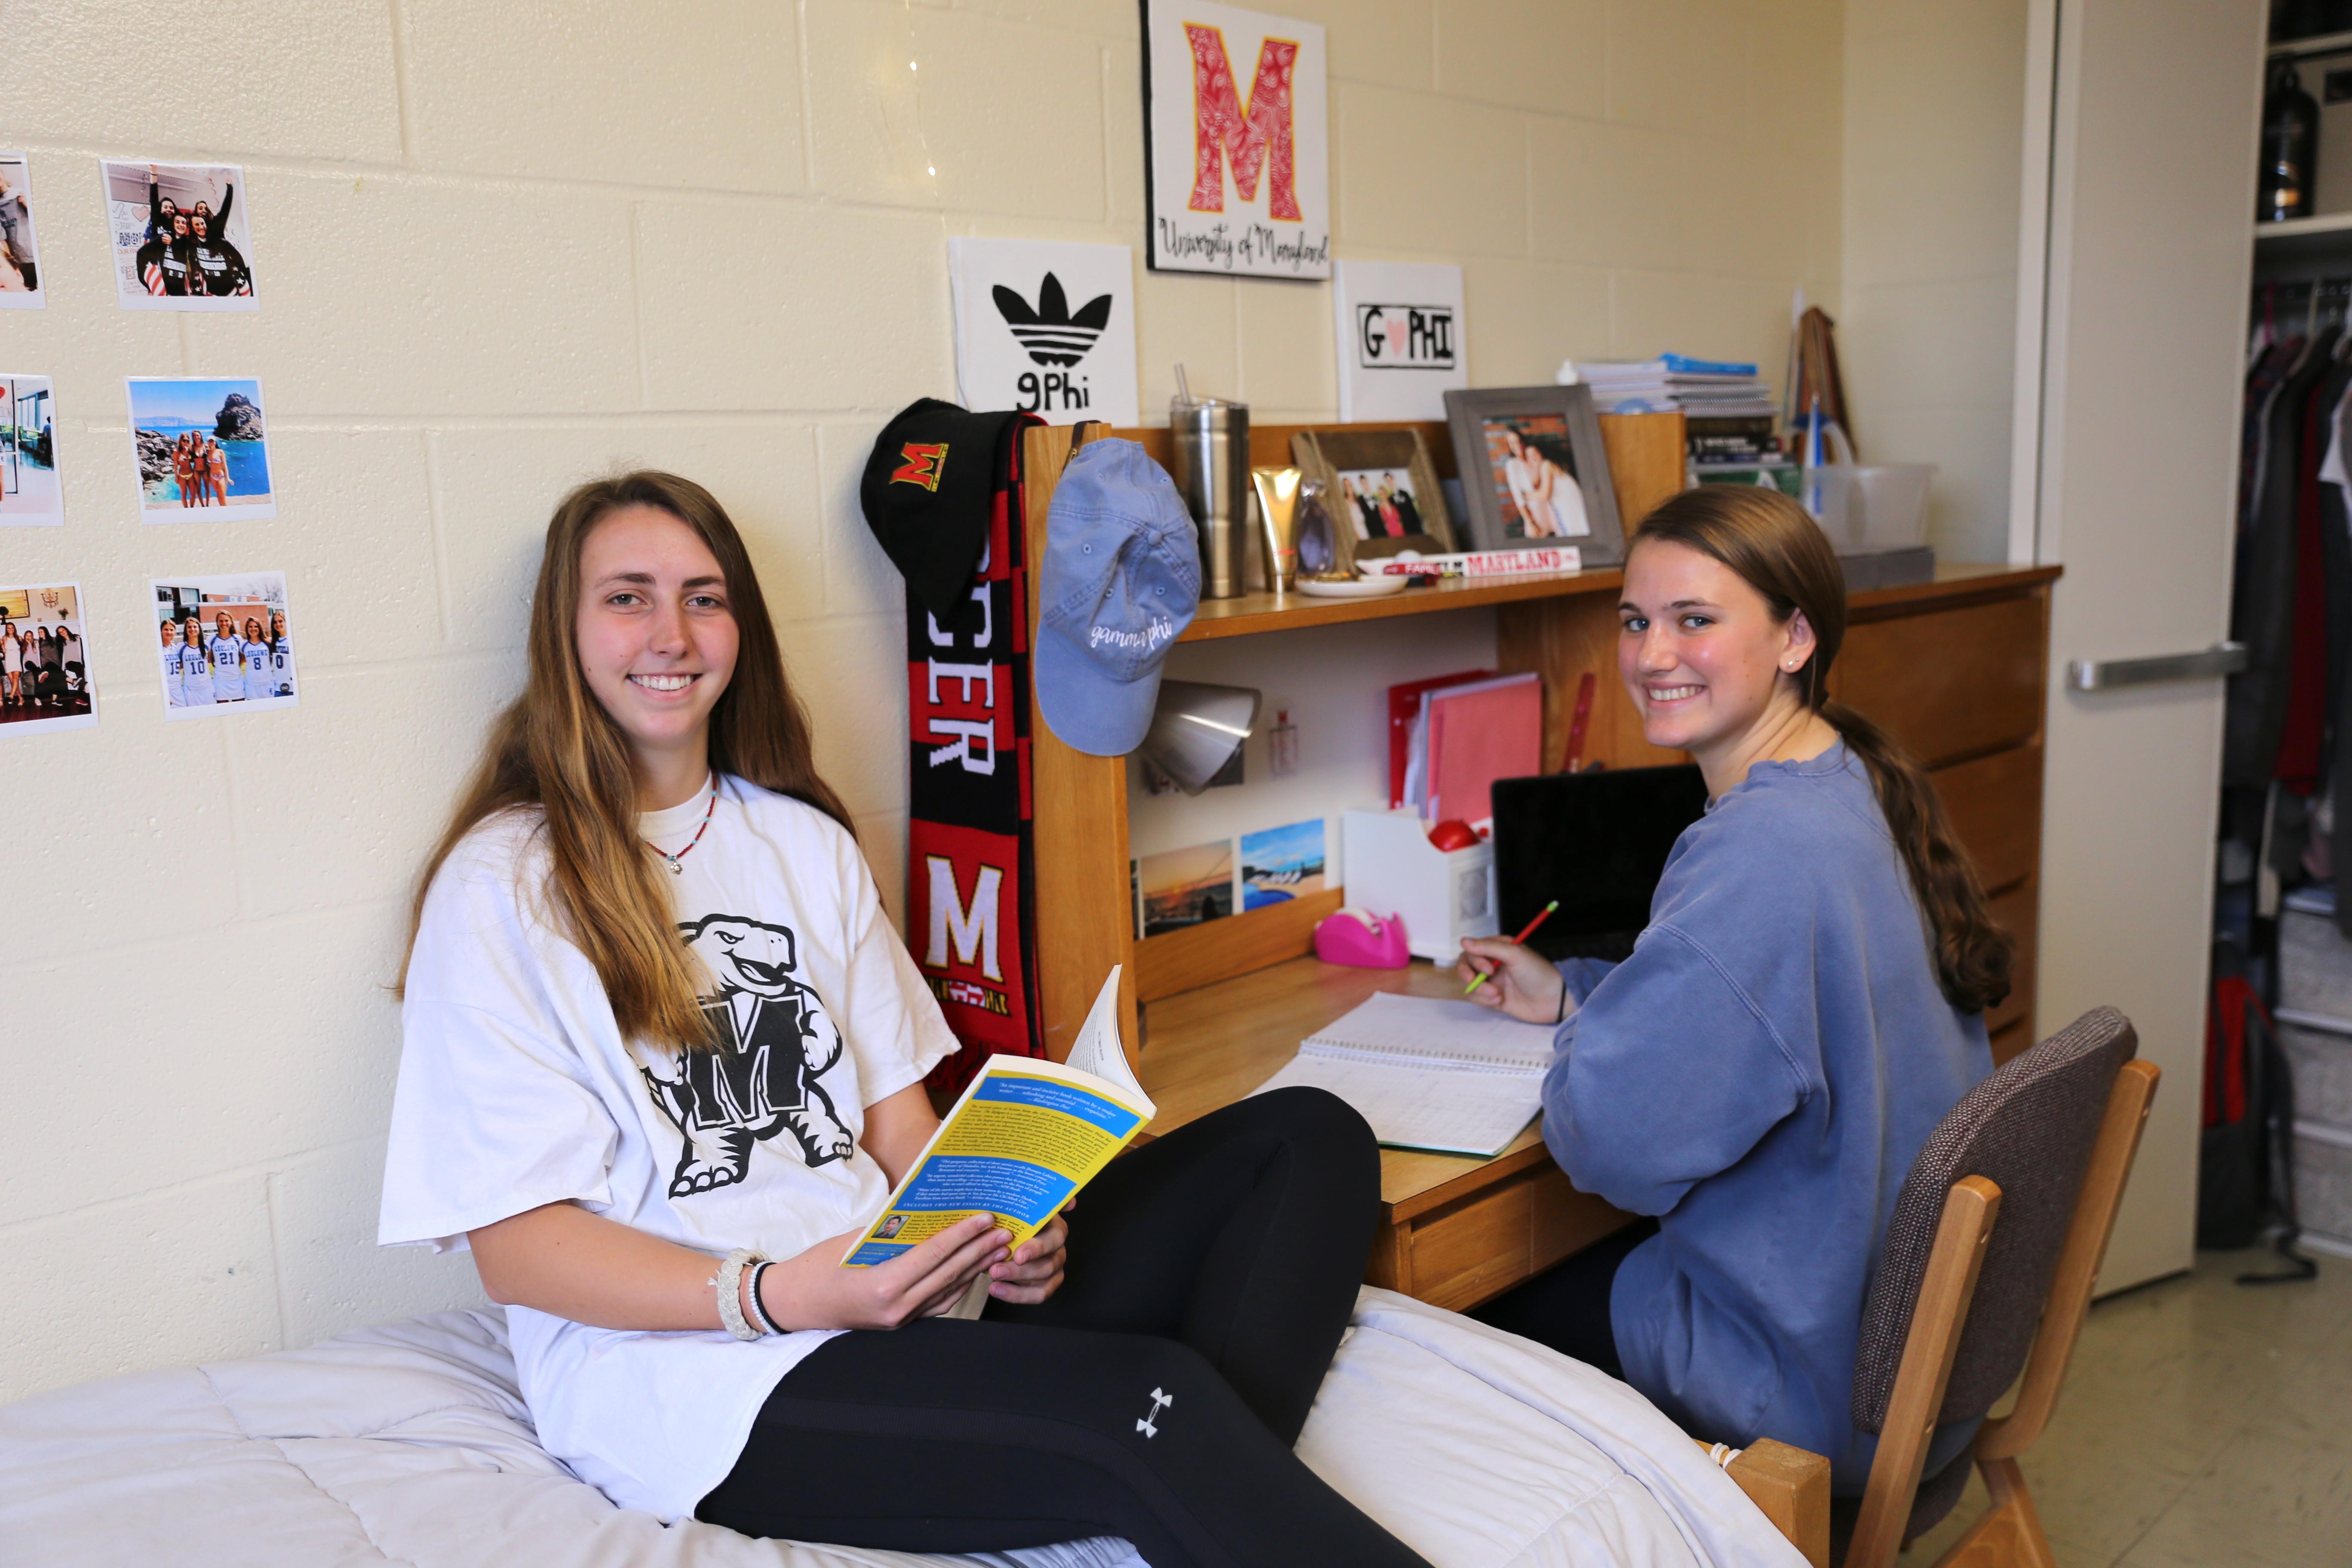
pixel 1446 1076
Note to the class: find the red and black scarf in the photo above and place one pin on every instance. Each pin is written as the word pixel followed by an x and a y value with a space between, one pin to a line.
pixel 942 493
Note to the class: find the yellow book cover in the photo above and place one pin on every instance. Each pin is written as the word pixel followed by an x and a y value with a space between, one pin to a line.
pixel 1025 1136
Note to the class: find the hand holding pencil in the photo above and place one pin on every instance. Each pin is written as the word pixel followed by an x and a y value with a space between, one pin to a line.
pixel 1525 985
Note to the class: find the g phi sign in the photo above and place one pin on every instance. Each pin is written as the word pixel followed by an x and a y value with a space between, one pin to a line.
pixel 1238 147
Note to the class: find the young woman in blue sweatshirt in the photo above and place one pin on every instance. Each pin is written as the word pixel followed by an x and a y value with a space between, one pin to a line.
pixel 1805 1006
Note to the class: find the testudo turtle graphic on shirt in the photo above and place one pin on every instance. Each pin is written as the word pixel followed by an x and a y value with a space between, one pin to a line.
pixel 774 1040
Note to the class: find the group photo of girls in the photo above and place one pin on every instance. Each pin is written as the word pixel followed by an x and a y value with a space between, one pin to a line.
pixel 44 660
pixel 224 643
pixel 180 241
pixel 203 450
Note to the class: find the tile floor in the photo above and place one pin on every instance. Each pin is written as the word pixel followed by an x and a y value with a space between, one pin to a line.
pixel 2204 1423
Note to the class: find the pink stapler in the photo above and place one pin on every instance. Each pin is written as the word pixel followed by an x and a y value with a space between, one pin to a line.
pixel 1362 938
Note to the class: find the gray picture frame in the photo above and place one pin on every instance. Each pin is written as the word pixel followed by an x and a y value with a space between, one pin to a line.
pixel 1492 522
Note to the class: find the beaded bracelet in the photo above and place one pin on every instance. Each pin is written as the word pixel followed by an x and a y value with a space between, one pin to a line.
pixel 729 1283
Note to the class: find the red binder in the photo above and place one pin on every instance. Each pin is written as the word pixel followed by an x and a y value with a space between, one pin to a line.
pixel 1404 710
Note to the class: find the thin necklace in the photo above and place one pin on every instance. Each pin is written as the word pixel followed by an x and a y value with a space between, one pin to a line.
pixel 674 868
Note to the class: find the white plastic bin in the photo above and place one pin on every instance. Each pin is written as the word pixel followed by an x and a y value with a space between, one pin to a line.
pixel 1876 503
pixel 1389 867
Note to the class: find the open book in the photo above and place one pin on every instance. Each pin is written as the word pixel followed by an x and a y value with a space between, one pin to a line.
pixel 1428 1074
pixel 1025 1137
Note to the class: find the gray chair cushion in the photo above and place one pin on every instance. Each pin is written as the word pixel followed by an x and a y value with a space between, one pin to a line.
pixel 2027 1129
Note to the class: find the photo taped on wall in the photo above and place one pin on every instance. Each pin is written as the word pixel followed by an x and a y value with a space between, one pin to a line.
pixel 202 449
pixel 225 644
pixel 181 235
pixel 1282 863
pixel 20 251
pixel 30 496
pixel 1186 886
pixel 44 659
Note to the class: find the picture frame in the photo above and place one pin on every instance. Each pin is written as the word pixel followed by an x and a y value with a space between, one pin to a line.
pixel 1381 488
pixel 1518 447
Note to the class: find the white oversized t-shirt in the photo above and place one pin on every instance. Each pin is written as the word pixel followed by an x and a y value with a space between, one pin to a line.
pixel 516 1090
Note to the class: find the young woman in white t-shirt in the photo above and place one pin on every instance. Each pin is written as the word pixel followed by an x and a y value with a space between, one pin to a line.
pixel 655 1016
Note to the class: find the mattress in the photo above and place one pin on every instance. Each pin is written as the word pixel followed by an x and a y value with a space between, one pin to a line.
pixel 409 1444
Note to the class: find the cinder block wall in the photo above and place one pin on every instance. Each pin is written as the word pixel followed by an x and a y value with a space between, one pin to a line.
pixel 503 246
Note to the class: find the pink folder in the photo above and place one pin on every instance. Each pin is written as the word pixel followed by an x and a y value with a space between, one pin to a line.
pixel 1478 733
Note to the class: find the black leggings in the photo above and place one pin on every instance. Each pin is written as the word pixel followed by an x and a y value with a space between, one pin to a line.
pixel 1156 1397
pixel 1567 1306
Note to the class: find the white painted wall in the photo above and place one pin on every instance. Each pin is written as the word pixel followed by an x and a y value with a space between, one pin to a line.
pixel 503 246
pixel 1934 112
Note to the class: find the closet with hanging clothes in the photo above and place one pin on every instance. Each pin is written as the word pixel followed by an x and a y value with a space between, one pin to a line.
pixel 2279 1026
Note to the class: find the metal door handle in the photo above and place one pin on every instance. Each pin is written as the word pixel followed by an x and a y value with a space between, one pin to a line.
pixel 2100 674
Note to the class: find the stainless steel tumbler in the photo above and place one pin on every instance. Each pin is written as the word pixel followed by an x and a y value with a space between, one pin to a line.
pixel 1212 469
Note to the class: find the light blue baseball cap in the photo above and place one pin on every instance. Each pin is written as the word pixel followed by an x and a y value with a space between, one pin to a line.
pixel 1122 578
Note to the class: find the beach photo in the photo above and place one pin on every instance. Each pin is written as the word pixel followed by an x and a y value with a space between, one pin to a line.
pixel 1282 863
pixel 203 450
pixel 180 236
pixel 30 495
pixel 225 644
pixel 20 252
pixel 1186 886
pixel 1532 461
pixel 44 659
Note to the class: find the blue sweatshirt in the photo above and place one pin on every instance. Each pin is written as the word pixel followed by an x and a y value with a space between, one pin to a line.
pixel 1761 1074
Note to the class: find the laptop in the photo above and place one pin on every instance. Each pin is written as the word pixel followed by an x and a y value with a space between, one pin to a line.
pixel 1596 842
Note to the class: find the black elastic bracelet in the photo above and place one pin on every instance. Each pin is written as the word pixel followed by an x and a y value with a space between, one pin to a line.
pixel 1563 1005
pixel 758 1307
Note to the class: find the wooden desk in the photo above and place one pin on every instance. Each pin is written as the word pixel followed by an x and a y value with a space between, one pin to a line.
pixel 1456 1231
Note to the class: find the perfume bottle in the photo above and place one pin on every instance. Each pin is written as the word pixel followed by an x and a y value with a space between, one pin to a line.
pixel 1281 746
pixel 1318 541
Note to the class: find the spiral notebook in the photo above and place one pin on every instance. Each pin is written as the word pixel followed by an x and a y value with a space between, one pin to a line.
pixel 1447 1075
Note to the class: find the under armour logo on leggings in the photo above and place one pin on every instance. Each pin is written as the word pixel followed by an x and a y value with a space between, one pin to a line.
pixel 1159 1402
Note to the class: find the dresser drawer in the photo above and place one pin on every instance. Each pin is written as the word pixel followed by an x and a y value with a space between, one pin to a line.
pixel 1994 805
pixel 1949 684
pixel 1476 1247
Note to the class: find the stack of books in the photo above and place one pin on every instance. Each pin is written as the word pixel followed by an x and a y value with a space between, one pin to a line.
pixel 1707 389
pixel 1732 419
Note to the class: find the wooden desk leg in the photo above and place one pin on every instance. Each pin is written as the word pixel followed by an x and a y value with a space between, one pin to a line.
pixel 1792 1486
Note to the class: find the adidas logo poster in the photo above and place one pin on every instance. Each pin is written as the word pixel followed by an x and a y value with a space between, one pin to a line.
pixel 1046 328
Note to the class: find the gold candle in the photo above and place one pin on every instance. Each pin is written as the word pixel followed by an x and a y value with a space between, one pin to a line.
pixel 1278 512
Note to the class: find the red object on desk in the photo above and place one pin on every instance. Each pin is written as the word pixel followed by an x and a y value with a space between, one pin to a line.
pixel 1578 723
pixel 1452 834
pixel 1478 734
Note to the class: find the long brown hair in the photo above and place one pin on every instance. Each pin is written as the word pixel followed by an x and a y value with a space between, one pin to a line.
pixel 557 752
pixel 1769 542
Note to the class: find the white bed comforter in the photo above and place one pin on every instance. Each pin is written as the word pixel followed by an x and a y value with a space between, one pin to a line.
pixel 409 1444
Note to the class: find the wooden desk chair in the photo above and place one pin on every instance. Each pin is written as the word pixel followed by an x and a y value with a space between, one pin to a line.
pixel 1959 1305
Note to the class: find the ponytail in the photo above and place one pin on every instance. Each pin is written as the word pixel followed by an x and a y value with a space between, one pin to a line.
pixel 1776 549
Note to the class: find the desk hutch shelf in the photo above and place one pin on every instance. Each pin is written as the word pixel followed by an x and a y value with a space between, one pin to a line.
pixel 1954 668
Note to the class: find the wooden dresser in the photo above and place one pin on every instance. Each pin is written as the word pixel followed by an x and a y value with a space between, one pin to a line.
pixel 1954 670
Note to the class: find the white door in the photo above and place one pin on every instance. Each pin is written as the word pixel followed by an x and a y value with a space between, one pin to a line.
pixel 2144 117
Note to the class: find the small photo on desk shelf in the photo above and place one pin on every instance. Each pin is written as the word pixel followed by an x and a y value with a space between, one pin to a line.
pixel 1381 488
pixel 1185 887
pixel 1282 863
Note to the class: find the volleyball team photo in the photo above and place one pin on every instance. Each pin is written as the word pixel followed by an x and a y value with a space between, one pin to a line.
pixel 225 644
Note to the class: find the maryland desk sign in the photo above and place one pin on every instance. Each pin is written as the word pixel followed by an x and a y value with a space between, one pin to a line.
pixel 1238 142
